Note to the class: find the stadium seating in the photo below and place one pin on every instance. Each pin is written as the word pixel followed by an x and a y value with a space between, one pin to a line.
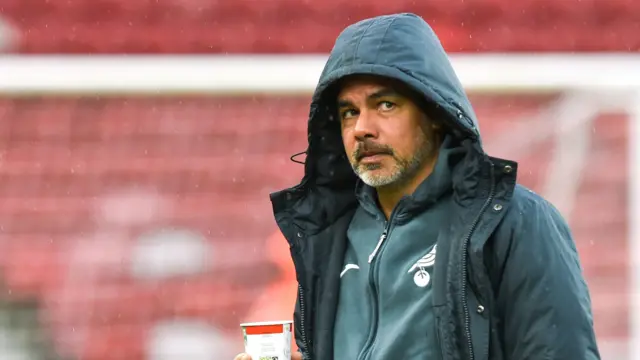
pixel 66 181
pixel 282 26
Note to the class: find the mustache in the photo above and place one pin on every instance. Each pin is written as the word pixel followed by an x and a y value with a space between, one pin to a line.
pixel 367 148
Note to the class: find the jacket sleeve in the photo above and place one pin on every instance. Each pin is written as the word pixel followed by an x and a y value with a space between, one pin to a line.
pixel 543 298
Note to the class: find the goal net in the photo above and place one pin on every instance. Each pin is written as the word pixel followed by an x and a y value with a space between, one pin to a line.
pixel 135 221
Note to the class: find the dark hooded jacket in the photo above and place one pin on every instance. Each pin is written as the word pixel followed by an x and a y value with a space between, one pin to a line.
pixel 507 283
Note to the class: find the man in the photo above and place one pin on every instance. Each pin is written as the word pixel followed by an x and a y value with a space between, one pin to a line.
pixel 431 250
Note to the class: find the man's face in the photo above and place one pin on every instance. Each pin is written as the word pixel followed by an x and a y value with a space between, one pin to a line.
pixel 387 138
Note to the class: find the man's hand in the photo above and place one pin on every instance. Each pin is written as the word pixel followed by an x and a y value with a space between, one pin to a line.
pixel 294 356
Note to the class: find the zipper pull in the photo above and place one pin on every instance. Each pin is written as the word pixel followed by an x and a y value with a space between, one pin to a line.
pixel 375 251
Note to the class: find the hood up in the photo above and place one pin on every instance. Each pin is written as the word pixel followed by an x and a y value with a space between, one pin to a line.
pixel 401 47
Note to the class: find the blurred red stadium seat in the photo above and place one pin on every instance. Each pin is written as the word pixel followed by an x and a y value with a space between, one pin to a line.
pixel 215 173
pixel 282 26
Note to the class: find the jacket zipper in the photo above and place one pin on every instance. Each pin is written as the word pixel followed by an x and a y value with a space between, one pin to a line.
pixel 374 297
pixel 372 284
pixel 303 329
pixel 380 241
pixel 465 245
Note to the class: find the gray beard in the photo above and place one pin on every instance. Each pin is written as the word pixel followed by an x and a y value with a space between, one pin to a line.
pixel 404 169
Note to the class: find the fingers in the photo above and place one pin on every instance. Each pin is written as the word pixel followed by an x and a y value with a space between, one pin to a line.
pixel 295 356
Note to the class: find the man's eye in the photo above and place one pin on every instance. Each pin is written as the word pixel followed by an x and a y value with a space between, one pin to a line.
pixel 386 105
pixel 348 113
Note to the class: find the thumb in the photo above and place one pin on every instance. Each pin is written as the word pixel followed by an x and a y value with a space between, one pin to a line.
pixel 296 356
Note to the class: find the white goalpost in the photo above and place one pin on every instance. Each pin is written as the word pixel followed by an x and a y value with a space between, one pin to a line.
pixel 292 74
pixel 615 78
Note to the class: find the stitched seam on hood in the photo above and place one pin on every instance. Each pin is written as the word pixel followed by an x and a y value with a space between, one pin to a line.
pixel 355 52
pixel 384 37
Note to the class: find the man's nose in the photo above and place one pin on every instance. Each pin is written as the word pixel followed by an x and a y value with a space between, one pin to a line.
pixel 365 126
